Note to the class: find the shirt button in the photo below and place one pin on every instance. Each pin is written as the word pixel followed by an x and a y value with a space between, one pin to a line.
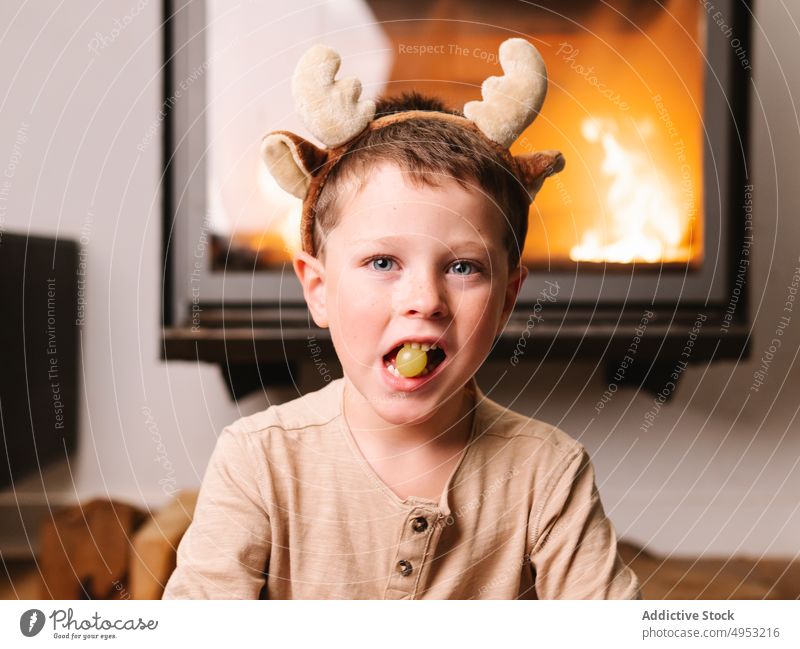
pixel 419 524
pixel 404 567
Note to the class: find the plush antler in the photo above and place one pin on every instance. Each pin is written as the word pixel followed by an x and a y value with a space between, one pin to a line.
pixel 511 102
pixel 330 109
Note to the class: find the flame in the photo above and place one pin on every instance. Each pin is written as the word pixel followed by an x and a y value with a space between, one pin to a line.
pixel 289 228
pixel 645 222
pixel 282 232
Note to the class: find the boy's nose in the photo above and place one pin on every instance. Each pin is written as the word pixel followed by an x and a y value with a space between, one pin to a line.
pixel 423 296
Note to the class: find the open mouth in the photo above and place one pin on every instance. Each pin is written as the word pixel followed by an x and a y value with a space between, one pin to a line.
pixel 435 355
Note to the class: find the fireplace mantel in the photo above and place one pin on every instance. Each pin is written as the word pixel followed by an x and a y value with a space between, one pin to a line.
pixel 266 347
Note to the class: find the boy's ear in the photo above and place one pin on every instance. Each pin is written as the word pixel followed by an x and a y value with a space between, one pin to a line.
pixel 515 281
pixel 311 273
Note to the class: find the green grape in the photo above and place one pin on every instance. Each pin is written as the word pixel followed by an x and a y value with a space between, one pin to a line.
pixel 411 362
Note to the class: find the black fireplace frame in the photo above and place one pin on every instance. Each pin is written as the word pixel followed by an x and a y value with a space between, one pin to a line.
pixel 259 344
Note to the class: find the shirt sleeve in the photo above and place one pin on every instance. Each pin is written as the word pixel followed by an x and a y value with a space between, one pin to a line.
pixel 574 552
pixel 225 551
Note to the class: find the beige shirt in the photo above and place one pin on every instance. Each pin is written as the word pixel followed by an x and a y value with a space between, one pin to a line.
pixel 289 508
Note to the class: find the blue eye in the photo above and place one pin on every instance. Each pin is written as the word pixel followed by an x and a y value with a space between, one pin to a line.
pixel 385 266
pixel 463 264
pixel 462 267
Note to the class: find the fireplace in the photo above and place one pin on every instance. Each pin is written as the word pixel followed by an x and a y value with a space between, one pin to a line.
pixel 645 232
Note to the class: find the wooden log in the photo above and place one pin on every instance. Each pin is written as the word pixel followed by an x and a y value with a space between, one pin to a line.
pixel 155 546
pixel 85 550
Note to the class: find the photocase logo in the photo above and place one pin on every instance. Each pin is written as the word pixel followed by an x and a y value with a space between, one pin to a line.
pixel 31 622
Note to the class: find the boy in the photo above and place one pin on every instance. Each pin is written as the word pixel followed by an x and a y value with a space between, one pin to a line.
pixel 402 480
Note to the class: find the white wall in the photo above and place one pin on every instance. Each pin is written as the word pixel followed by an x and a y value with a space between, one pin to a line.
pixel 80 173
pixel 717 473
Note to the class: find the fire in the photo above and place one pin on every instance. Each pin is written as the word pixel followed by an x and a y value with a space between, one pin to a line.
pixel 282 234
pixel 644 219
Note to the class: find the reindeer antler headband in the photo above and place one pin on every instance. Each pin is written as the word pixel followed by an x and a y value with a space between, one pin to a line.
pixel 334 113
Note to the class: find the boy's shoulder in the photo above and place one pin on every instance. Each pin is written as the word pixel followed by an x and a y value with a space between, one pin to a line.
pixel 312 409
pixel 519 429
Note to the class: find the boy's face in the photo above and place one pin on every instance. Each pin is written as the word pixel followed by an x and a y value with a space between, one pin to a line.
pixel 409 262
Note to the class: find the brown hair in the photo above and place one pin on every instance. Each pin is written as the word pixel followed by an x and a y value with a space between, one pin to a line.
pixel 428 150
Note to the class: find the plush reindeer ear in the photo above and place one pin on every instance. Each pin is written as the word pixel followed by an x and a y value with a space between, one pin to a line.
pixel 535 167
pixel 292 161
